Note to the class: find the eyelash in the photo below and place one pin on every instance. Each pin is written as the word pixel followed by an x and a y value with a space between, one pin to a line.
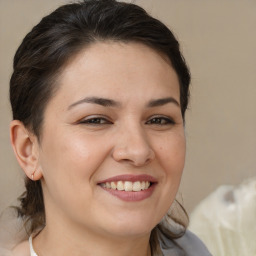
pixel 95 121
pixel 156 120
pixel 160 120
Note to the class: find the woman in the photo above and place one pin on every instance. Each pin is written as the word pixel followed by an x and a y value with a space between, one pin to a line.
pixel 99 93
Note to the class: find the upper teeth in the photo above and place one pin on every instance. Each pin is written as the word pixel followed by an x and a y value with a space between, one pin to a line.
pixel 127 185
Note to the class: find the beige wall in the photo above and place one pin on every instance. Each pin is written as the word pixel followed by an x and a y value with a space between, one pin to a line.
pixel 219 42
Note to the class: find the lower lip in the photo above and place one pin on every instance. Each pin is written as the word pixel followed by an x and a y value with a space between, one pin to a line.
pixel 132 196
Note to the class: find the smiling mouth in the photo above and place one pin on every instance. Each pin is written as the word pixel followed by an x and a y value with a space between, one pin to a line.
pixel 130 188
pixel 127 185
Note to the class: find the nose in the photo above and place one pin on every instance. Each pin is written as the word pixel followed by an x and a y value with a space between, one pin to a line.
pixel 132 146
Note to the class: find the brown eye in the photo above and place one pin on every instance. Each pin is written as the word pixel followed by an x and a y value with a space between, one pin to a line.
pixel 95 121
pixel 160 121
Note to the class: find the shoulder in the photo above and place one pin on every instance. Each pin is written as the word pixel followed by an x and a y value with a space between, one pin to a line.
pixel 192 245
pixel 21 249
pixel 187 245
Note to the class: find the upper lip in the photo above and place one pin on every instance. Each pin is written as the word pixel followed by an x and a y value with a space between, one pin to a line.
pixel 130 177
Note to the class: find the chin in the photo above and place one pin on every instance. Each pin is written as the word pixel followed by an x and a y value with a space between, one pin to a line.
pixel 131 231
pixel 132 226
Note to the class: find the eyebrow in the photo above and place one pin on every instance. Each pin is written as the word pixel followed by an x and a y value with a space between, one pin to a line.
pixel 95 100
pixel 112 103
pixel 161 102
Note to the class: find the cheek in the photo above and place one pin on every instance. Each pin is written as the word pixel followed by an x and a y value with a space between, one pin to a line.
pixel 172 154
pixel 72 159
pixel 66 153
pixel 68 163
pixel 171 157
pixel 172 160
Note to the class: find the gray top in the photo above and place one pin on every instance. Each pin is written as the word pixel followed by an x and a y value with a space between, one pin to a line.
pixel 188 245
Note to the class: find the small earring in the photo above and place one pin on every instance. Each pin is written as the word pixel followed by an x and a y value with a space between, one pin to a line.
pixel 32 175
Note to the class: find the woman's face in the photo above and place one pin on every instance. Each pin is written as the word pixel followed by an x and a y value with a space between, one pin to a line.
pixel 113 146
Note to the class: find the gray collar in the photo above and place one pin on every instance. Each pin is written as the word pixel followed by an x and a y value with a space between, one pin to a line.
pixel 188 245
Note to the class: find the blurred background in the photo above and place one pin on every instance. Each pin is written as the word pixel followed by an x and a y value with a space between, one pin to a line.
pixel 218 40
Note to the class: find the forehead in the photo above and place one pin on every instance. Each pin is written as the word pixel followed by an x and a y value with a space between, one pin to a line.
pixel 114 69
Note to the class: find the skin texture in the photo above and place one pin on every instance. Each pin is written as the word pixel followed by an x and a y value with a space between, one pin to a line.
pixel 132 138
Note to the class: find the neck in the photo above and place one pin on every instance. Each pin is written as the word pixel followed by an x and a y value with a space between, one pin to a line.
pixel 64 240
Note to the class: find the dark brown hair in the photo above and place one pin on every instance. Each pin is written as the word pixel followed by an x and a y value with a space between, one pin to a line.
pixel 48 47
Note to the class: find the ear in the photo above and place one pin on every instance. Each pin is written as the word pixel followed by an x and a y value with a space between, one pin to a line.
pixel 25 146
